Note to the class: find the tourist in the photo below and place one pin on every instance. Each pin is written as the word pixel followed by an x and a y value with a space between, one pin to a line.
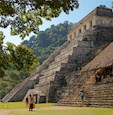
pixel 31 103
pixel 27 101
pixel 82 96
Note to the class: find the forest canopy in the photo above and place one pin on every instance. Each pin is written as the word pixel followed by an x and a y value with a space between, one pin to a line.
pixel 47 41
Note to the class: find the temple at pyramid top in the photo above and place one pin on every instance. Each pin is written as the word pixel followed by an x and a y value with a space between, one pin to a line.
pixel 100 16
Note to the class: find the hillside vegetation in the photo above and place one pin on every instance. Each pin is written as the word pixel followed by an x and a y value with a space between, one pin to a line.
pixel 47 41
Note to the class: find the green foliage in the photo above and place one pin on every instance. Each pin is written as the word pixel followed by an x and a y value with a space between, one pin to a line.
pixel 21 57
pixel 3 56
pixel 24 16
pixel 47 41
pixel 16 63
pixel 4 84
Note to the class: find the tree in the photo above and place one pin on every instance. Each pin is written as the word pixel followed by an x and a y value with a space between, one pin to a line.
pixel 3 56
pixel 22 58
pixel 16 63
pixel 24 16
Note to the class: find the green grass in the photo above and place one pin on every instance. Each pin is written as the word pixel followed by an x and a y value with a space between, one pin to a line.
pixel 18 105
pixel 51 109
pixel 65 111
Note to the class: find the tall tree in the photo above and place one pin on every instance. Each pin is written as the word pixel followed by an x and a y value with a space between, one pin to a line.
pixel 3 56
pixel 21 57
pixel 24 16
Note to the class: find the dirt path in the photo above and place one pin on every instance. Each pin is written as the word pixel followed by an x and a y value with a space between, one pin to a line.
pixel 8 111
pixel 4 112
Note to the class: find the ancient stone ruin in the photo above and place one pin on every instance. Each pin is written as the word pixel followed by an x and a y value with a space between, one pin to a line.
pixel 70 68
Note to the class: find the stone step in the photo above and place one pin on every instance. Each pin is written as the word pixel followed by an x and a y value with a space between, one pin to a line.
pixel 53 70
pixel 99 88
pixel 87 104
pixel 84 44
pixel 74 104
pixel 60 59
pixel 96 102
pixel 46 79
pixel 71 105
pixel 90 99
pixel 100 92
pixel 103 96
pixel 54 64
pixel 100 95
pixel 68 49
pixel 96 86
pixel 72 59
pixel 73 43
pixel 101 101
pixel 68 65
pixel 64 66
pixel 64 55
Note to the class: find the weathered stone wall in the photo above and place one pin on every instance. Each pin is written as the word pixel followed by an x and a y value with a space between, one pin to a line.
pixel 104 21
pixel 89 77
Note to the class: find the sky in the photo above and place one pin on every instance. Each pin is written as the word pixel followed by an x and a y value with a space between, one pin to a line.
pixel 85 7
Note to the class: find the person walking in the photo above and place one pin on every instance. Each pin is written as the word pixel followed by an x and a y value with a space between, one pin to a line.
pixel 31 103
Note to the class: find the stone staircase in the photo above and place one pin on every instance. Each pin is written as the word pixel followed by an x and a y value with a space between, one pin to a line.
pixel 71 58
pixel 67 61
pixel 98 95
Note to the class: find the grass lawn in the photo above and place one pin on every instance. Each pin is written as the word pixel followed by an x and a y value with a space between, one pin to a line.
pixel 51 109
pixel 65 111
pixel 18 105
